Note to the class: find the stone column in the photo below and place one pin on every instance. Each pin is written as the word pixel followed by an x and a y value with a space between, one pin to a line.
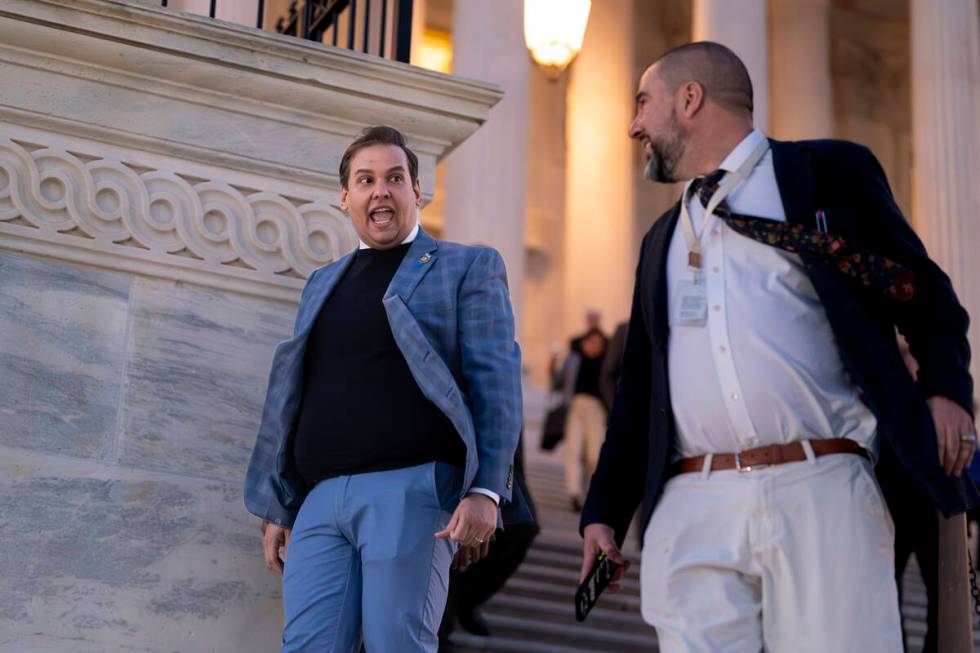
pixel 418 29
pixel 742 26
pixel 946 143
pixel 801 91
pixel 485 177
pixel 599 170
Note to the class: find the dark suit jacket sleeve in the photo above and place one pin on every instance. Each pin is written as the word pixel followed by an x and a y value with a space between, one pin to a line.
pixel 933 321
pixel 620 478
pixel 612 365
pixel 491 364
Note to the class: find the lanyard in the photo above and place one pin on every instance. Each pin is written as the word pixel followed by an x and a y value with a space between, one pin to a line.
pixel 728 183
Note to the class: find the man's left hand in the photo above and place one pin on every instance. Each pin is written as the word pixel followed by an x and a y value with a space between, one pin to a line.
pixel 953 426
pixel 473 522
pixel 470 555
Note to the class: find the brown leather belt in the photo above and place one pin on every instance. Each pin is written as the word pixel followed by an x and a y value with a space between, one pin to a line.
pixel 773 454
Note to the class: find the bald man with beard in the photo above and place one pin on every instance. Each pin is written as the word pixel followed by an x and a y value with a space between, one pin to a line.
pixel 762 377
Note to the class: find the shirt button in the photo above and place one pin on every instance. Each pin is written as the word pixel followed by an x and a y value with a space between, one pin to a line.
pixel 735 396
pixel 715 269
pixel 717 307
pixel 723 349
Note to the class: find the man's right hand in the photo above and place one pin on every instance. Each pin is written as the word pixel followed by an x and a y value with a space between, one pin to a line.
pixel 599 537
pixel 274 537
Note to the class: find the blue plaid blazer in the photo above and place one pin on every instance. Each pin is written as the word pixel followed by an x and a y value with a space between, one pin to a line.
pixel 450 313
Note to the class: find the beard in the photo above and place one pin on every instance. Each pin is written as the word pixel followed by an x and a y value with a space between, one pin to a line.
pixel 665 153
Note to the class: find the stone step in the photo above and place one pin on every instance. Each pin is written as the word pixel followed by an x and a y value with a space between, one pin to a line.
pixel 602 617
pixel 466 643
pixel 571 563
pixel 567 578
pixel 571 544
pixel 545 591
pixel 584 635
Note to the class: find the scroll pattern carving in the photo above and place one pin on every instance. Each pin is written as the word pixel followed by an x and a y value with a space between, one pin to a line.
pixel 105 203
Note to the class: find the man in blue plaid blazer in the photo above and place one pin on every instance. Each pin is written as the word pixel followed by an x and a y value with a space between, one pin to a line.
pixel 392 416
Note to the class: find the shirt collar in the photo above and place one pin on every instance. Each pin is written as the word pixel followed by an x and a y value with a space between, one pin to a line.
pixel 742 151
pixel 409 238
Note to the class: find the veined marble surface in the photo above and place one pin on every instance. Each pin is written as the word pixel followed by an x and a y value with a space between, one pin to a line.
pixel 128 410
pixel 97 557
pixel 196 377
pixel 62 350
pixel 150 373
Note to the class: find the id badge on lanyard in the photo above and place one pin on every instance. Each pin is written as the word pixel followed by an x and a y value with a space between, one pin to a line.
pixel 689 306
pixel 690 303
pixel 689 300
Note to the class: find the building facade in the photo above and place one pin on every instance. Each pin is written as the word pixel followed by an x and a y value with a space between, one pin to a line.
pixel 168 181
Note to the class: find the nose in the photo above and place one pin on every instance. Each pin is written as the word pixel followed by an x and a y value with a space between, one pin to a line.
pixel 381 190
pixel 634 130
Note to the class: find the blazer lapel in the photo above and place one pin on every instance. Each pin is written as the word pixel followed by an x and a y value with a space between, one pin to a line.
pixel 326 280
pixel 418 260
pixel 659 246
pixel 794 177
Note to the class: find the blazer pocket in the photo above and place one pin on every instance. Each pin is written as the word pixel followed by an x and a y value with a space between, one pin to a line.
pixel 447 484
pixel 423 309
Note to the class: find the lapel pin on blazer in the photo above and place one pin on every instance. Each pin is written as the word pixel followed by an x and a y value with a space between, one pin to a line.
pixel 425 258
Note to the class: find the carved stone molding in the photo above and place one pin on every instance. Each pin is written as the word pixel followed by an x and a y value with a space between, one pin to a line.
pixel 136 138
pixel 65 200
pixel 132 74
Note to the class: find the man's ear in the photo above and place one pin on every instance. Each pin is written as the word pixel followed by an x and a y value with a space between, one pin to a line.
pixel 344 206
pixel 417 189
pixel 691 99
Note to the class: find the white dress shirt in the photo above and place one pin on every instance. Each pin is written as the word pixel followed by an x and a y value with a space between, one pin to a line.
pixel 409 238
pixel 473 490
pixel 764 368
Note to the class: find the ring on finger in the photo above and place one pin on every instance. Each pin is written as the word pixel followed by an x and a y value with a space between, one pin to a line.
pixel 969 437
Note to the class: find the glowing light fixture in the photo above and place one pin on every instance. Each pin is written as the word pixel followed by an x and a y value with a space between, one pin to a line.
pixel 436 51
pixel 553 31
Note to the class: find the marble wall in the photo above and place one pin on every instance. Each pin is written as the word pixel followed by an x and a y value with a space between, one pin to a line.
pixel 129 411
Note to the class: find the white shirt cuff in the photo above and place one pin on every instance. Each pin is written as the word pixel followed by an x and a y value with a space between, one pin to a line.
pixel 487 493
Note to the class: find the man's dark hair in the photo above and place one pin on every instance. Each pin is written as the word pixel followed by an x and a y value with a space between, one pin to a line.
pixel 720 72
pixel 378 135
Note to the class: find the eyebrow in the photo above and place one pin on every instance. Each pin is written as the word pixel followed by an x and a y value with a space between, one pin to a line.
pixel 397 168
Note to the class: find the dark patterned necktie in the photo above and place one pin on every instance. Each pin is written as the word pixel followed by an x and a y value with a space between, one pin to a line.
pixel 867 268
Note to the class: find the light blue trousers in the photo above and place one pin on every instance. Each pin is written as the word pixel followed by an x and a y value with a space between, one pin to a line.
pixel 363 558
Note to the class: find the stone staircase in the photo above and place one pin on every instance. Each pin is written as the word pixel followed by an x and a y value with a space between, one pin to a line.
pixel 534 612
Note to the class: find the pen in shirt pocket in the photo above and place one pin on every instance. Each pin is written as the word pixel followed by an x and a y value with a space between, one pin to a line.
pixel 821 219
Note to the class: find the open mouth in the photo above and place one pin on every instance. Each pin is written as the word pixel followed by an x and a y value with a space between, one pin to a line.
pixel 382 216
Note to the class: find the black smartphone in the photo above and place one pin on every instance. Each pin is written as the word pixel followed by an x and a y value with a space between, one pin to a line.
pixel 597 580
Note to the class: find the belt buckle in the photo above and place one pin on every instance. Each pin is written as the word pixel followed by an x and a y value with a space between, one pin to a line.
pixel 746 468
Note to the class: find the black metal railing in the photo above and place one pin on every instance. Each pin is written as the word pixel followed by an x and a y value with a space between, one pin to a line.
pixel 379 27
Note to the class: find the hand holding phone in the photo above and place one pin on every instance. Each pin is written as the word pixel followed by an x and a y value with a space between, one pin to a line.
pixel 597 580
pixel 603 567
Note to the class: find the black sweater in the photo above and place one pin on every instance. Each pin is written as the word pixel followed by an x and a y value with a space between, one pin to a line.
pixel 361 410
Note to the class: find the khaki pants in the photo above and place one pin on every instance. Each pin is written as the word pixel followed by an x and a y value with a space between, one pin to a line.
pixel 585 430
pixel 795 557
